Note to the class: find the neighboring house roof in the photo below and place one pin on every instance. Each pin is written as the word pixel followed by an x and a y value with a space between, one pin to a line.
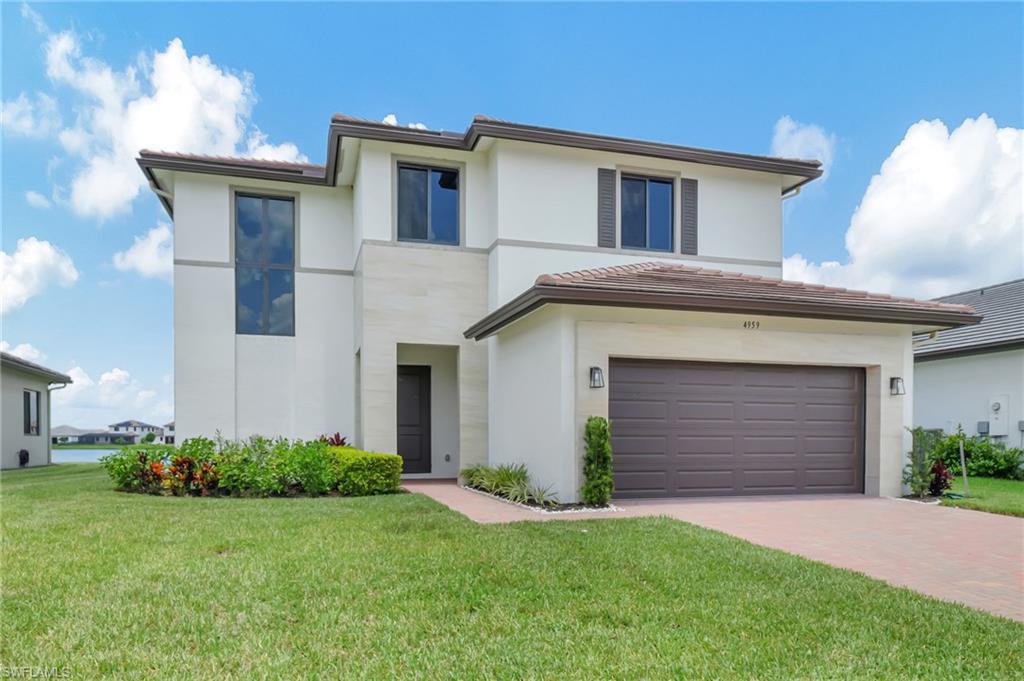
pixel 64 431
pixel 9 360
pixel 681 287
pixel 132 424
pixel 341 126
pixel 1002 328
pixel 170 425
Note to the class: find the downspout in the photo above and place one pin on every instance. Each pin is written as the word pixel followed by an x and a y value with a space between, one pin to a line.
pixel 50 389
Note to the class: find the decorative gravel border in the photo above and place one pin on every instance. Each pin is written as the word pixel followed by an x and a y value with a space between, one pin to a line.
pixel 610 508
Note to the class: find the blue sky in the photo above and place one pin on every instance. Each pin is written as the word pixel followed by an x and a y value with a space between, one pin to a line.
pixel 851 79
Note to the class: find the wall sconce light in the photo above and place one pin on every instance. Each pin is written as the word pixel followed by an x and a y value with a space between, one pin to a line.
pixel 596 377
pixel 896 386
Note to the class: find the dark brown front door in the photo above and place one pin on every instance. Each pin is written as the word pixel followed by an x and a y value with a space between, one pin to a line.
pixel 707 429
pixel 414 418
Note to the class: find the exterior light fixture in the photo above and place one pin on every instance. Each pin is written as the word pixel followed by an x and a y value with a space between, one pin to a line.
pixel 896 386
pixel 596 377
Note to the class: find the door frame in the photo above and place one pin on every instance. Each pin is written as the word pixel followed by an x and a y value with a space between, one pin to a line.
pixel 423 372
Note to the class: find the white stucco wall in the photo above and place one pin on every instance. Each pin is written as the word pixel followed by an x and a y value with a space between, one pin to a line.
pixel 531 400
pixel 569 340
pixel 12 414
pixel 241 385
pixel 549 194
pixel 514 268
pixel 958 390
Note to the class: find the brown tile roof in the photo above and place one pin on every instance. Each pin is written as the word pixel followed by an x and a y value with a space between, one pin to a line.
pixel 680 287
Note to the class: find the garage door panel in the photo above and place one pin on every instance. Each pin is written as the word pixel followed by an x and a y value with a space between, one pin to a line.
pixel 778 479
pixel 704 444
pixel 704 411
pixel 705 482
pixel 770 444
pixel 769 412
pixel 642 484
pixel 735 429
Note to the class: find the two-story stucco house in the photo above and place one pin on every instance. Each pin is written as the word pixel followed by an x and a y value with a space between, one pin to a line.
pixel 474 297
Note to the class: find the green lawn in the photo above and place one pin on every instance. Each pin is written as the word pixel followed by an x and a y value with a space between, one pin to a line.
pixel 384 587
pixel 990 494
pixel 75 445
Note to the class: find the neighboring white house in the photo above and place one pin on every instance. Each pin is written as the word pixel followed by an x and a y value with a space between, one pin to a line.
pixel 405 293
pixel 67 434
pixel 168 436
pixel 974 376
pixel 137 428
pixel 25 405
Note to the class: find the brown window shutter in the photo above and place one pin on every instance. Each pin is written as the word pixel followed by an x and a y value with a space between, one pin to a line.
pixel 688 238
pixel 606 207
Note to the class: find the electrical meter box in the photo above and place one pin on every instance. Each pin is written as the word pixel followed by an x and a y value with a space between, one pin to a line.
pixel 999 415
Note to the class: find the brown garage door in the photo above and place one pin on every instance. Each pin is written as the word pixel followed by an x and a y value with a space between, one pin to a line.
pixel 706 429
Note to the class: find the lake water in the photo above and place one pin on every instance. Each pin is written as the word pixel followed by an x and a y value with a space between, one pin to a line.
pixel 83 455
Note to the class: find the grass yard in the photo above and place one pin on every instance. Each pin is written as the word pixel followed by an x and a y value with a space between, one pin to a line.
pixel 990 494
pixel 75 445
pixel 107 583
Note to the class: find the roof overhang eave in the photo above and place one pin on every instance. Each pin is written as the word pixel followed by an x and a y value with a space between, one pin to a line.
pixel 540 295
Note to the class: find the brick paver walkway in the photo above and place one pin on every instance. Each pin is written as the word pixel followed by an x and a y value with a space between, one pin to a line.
pixel 957 555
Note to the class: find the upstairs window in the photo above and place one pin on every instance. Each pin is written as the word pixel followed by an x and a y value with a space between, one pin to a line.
pixel 264 265
pixel 647 213
pixel 428 204
pixel 30 399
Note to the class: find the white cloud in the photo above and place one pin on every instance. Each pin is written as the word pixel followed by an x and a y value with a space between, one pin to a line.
pixel 116 396
pixel 34 18
pixel 167 100
pixel 27 117
pixel 26 351
pixel 807 141
pixel 392 119
pixel 36 200
pixel 945 213
pixel 30 269
pixel 151 255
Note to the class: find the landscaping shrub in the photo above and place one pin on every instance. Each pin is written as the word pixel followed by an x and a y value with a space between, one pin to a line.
pixel 984 457
pixel 137 468
pixel 256 467
pixel 360 473
pixel 917 474
pixel 509 481
pixel 307 467
pixel 941 479
pixel 598 483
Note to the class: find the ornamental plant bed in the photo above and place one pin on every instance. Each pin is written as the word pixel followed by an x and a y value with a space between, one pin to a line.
pixel 554 507
pixel 256 467
pixel 511 483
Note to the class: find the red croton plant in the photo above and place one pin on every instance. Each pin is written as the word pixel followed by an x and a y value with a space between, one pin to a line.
pixel 336 440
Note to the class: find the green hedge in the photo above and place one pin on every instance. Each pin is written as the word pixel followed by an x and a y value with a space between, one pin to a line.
pixel 984 457
pixel 362 473
pixel 256 467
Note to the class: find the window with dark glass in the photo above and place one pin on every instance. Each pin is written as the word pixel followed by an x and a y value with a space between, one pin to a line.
pixel 428 204
pixel 31 402
pixel 646 213
pixel 264 265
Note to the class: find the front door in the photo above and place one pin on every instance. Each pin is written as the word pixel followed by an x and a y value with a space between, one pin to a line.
pixel 414 418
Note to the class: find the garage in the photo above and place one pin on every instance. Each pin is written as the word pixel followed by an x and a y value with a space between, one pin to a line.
pixel 684 429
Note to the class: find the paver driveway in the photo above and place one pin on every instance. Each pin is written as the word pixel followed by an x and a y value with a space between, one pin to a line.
pixel 954 554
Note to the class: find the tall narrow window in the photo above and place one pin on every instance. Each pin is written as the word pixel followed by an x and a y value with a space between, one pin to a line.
pixel 428 204
pixel 647 207
pixel 31 403
pixel 264 265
